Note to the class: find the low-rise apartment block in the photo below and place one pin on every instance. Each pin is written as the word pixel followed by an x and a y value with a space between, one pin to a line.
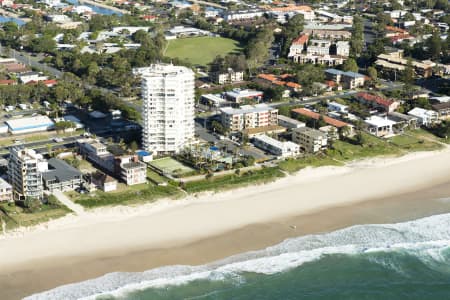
pixel 289 122
pixel 61 176
pixel 278 148
pixel 228 76
pixel 349 80
pixel 131 170
pixel 248 116
pixel 311 140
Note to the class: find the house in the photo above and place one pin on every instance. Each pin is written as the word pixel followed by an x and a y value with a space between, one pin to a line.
pixel 29 76
pixel 61 176
pixel 311 140
pixel 316 116
pixel 377 102
pixel 337 107
pixel 281 81
pixel 278 148
pixel 131 170
pixel 248 116
pixel 238 95
pixel 96 152
pixel 379 126
pixel 443 109
pixel 425 117
pixel 289 122
pixel 104 182
pixel 228 76
pixel 402 121
pixel 298 45
pixel 6 191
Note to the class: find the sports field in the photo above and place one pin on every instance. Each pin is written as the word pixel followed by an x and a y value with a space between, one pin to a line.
pixel 200 50
pixel 171 166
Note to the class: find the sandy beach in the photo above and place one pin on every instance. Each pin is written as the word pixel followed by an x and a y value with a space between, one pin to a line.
pixel 200 229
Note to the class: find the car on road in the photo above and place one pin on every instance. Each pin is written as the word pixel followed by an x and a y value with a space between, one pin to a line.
pixel 58 140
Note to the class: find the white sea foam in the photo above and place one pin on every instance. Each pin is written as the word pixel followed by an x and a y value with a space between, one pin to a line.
pixel 426 238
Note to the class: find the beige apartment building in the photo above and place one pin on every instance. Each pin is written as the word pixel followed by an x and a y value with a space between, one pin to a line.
pixel 249 116
pixel 311 140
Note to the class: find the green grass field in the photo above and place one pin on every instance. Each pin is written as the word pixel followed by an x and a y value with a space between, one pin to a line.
pixel 200 50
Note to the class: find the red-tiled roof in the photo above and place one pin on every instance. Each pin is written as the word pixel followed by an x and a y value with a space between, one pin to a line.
pixel 7 81
pixel 310 114
pixel 293 85
pixel 374 98
pixel 268 77
pixel 301 40
pixel 50 82
pixel 330 83
pixel 396 29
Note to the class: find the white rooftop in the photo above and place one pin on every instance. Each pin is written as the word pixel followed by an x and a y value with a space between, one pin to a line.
pixel 29 123
pixel 379 121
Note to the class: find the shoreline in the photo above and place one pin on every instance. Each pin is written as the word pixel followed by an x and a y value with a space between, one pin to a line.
pixel 219 225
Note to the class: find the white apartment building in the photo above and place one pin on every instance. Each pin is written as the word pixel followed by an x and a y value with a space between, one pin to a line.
pixel 248 116
pixel 319 47
pixel 25 173
pixel 168 107
pixel 343 48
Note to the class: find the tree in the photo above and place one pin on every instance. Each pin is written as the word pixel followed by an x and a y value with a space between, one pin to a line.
pixel 133 146
pixel 357 40
pixel 360 138
pixel 372 72
pixel 293 28
pixel 408 74
pixel 435 45
pixel 350 65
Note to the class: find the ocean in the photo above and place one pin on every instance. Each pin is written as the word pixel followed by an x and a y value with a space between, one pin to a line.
pixel 409 260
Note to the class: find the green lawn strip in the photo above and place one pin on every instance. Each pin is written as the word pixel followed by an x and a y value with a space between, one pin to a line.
pixel 293 165
pixel 225 182
pixel 136 195
pixel 372 146
pixel 414 143
pixel 155 177
pixel 200 50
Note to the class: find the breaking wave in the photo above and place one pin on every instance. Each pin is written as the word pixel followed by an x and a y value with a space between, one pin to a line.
pixel 427 238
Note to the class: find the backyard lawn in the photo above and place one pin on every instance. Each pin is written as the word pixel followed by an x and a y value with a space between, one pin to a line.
pixel 200 50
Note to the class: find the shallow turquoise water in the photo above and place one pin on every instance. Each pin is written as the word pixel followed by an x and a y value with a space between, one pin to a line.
pixel 392 275
pixel 409 260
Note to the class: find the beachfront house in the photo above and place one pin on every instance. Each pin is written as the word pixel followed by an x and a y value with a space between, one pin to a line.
pixel 425 117
pixel 379 126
